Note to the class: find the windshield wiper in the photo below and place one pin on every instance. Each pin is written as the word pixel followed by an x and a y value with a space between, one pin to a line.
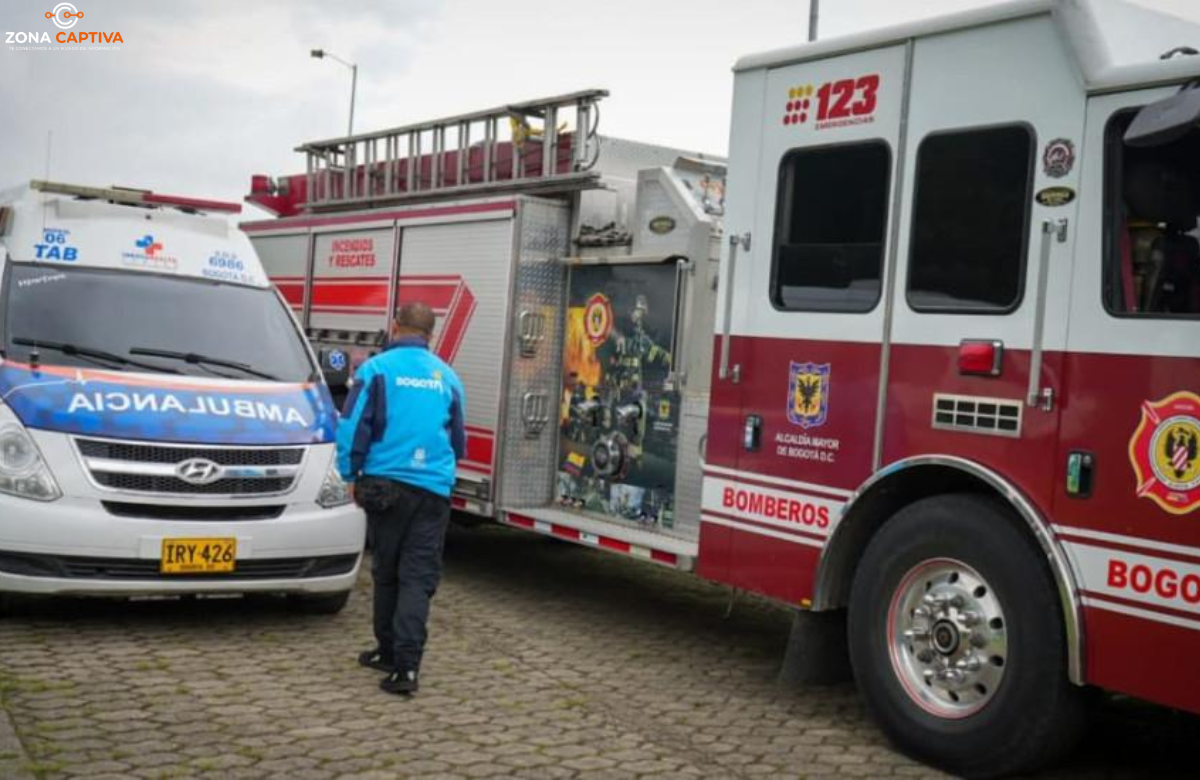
pixel 195 359
pixel 89 353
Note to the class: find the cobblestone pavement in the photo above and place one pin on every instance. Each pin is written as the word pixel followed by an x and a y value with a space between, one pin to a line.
pixel 546 660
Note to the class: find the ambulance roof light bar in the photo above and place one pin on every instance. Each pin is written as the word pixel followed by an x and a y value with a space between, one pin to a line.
pixel 135 197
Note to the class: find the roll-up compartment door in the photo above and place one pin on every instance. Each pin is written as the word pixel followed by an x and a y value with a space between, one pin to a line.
pixel 463 271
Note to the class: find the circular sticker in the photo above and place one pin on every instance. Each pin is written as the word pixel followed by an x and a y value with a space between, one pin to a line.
pixel 1165 452
pixel 1059 158
pixel 598 318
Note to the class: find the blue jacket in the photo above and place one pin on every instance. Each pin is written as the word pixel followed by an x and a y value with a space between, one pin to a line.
pixel 404 419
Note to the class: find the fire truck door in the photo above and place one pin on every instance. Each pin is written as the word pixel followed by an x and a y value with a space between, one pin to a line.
pixel 1127 506
pixel 987 230
pixel 723 439
pixel 809 327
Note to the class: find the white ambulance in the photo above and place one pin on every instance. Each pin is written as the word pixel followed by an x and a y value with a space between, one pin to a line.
pixel 164 428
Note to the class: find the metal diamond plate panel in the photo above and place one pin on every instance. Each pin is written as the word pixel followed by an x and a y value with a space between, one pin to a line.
pixel 529 456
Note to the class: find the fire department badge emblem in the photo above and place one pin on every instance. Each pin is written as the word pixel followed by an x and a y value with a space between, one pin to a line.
pixel 1059 158
pixel 808 394
pixel 598 318
pixel 1165 452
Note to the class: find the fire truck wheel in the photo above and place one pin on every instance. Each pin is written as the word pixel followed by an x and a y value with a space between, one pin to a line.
pixel 957 641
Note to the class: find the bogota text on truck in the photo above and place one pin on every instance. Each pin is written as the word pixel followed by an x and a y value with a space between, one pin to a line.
pixel 164 428
pixel 952 384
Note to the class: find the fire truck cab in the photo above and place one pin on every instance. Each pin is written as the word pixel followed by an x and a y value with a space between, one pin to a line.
pixel 957 365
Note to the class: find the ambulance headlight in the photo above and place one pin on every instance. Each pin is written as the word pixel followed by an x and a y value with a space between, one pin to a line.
pixel 334 492
pixel 23 473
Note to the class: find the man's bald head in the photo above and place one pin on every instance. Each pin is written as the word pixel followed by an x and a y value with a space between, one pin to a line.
pixel 414 319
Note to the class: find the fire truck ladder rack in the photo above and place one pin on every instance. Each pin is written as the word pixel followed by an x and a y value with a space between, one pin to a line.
pixel 518 147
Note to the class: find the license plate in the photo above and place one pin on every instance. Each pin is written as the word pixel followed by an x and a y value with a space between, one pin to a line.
pixel 198 556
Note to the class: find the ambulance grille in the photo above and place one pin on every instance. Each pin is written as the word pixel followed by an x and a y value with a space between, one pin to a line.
pixel 973 414
pixel 152 469
pixel 148 453
pixel 147 483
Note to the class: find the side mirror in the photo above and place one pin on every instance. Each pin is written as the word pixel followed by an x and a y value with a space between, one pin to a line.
pixel 1165 121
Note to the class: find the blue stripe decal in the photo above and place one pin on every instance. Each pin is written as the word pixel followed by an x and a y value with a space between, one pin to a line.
pixel 99 404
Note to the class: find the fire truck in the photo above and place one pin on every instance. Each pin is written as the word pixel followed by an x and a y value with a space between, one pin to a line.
pixel 934 365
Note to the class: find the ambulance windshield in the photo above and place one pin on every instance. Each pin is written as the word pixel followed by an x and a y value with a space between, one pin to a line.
pixel 146 323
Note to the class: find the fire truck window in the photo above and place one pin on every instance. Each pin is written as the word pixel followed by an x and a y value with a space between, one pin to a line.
pixel 970 221
pixel 1152 257
pixel 830 220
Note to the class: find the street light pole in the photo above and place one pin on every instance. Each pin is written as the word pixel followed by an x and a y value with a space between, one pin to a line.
pixel 320 54
pixel 814 10
pixel 353 89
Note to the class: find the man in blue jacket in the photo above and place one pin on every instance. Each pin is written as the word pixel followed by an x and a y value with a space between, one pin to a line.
pixel 398 443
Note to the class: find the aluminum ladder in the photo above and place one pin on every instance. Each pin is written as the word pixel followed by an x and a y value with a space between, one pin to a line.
pixel 516 147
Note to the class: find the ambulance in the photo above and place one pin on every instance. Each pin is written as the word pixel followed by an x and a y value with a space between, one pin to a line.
pixel 164 428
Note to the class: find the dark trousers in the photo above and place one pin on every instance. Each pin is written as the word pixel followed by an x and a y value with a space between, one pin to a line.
pixel 406 546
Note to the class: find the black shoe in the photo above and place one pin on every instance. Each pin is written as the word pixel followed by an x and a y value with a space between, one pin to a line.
pixel 400 683
pixel 375 659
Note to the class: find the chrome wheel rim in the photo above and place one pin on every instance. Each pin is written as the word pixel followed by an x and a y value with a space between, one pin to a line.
pixel 947 638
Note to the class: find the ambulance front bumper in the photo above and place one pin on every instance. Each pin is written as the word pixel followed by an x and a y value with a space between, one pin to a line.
pixel 76 546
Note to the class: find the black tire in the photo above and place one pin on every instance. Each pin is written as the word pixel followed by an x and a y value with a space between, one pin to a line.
pixel 1033 715
pixel 325 604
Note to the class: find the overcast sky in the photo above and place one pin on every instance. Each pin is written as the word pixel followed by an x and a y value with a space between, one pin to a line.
pixel 203 93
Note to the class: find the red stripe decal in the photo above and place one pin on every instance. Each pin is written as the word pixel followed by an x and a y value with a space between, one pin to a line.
pixel 1179 613
pixel 157 383
pixel 1130 548
pixel 292 293
pixel 325 279
pixel 664 557
pixel 359 310
pixel 613 544
pixel 814 492
pixel 374 295
pixel 519 520
pixel 456 325
pixel 480 449
pixel 437 294
pixel 565 533
pixel 767 526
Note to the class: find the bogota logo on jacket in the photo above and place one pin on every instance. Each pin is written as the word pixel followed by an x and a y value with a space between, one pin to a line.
pixel 1165 452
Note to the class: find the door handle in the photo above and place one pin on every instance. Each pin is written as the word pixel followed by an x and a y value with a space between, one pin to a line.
pixel 735 241
pixel 1038 396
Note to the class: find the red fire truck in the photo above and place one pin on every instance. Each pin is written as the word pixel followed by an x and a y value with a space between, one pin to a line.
pixel 953 389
